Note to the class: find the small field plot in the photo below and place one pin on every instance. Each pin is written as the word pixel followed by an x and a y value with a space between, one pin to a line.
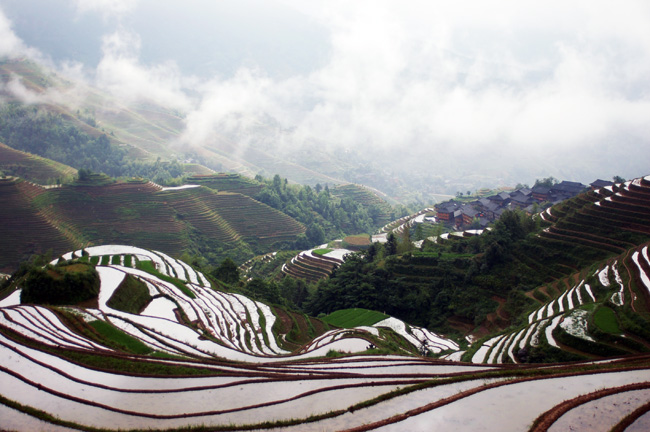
pixel 606 320
pixel 348 318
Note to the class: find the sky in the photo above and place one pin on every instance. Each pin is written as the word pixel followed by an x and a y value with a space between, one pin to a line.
pixel 525 88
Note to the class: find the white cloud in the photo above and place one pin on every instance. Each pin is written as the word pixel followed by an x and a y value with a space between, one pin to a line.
pixel 10 44
pixel 121 73
pixel 425 74
pixel 475 74
pixel 509 78
pixel 69 96
pixel 106 7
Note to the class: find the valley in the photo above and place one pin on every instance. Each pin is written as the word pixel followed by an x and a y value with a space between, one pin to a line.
pixel 178 266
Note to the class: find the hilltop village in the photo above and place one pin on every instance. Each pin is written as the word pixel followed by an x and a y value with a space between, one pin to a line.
pixel 480 213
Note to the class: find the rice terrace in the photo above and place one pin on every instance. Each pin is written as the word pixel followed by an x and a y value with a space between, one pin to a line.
pixel 189 345
pixel 288 216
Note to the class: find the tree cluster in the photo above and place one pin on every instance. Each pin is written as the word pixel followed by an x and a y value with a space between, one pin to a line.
pixel 60 285
pixel 426 287
pixel 324 215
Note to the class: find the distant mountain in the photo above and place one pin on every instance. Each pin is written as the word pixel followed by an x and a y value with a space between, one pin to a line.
pixel 149 131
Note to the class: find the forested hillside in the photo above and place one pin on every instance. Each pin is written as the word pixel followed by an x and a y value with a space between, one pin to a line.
pixel 483 284
pixel 325 214
pixel 52 136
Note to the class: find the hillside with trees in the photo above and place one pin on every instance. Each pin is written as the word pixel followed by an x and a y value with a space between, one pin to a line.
pixel 484 284
pixel 326 215
pixel 54 137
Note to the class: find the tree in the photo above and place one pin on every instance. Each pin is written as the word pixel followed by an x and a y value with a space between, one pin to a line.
pixel 84 174
pixel 258 288
pixel 277 182
pixel 315 234
pixel 406 244
pixel 391 244
pixel 546 182
pixel 227 272
pixel 60 285
pixel 419 232
pixel 301 242
pixel 618 179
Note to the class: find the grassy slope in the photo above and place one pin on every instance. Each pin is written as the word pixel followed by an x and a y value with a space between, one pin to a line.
pixel 24 231
pixel 227 183
pixel 135 213
pixel 33 168
pixel 348 318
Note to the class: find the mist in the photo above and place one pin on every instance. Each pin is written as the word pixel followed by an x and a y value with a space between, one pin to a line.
pixel 478 94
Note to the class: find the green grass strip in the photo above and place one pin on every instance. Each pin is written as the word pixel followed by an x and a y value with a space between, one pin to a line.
pixel 119 338
pixel 348 318
pixel 606 320
pixel 149 268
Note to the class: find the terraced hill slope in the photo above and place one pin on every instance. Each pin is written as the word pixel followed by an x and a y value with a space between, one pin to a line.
pixel 33 168
pixel 313 266
pixel 232 216
pixel 599 310
pixel 173 220
pixel 23 230
pixel 200 358
pixel 378 208
pixel 227 183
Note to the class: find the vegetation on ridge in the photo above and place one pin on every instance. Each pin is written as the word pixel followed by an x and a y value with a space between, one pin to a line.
pixel 61 284
pixel 325 215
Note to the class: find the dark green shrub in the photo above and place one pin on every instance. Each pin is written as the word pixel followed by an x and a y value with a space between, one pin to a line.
pixel 60 285
pixel 131 296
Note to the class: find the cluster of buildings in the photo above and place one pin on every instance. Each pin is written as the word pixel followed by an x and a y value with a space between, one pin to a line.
pixel 480 213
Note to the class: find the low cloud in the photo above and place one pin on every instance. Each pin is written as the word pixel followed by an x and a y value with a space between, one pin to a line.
pixel 453 81
pixel 121 73
pixel 11 45
pixel 71 97
pixel 474 78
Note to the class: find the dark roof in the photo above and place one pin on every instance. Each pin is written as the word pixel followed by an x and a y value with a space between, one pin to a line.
pixel 541 190
pixel 522 199
pixel 569 187
pixel 601 183
pixel 447 207
pixel 500 197
pixel 522 191
pixel 530 209
pixel 469 211
pixel 488 205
